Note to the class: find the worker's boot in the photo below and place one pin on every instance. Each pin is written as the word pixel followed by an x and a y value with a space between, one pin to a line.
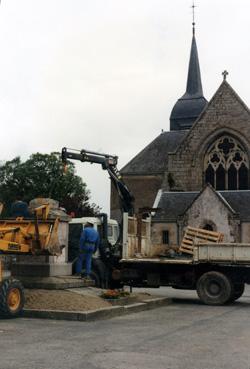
pixel 86 278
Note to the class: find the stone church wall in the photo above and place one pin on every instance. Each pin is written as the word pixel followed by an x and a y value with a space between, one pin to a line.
pixel 157 230
pixel 209 209
pixel 226 113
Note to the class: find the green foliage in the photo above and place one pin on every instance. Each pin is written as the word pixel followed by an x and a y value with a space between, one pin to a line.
pixel 42 175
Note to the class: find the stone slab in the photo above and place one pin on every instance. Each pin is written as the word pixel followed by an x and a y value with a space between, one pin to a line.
pixel 104 313
pixel 135 308
pixel 100 314
pixel 41 269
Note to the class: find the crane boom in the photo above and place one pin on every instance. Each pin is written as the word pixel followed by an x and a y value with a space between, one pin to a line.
pixel 109 163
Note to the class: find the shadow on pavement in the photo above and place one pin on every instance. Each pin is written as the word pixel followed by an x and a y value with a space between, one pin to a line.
pixel 190 301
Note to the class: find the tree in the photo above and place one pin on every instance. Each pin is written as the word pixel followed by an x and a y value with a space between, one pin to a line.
pixel 42 175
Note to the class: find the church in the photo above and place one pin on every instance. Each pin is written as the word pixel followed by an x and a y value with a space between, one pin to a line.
pixel 196 174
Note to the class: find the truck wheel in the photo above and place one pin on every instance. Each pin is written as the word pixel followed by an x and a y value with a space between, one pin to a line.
pixel 238 290
pixel 11 298
pixel 214 288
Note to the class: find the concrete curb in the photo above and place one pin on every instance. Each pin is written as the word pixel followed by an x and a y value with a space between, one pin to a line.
pixel 91 315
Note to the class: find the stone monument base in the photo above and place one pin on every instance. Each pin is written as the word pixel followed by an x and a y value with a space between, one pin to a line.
pixel 41 269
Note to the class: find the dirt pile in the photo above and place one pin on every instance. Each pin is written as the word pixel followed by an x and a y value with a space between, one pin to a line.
pixel 62 300
pixel 76 299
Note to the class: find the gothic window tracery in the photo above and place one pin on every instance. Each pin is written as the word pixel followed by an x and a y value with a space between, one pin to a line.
pixel 227 165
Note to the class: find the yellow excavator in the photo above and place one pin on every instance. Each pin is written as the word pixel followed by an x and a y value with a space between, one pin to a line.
pixel 20 236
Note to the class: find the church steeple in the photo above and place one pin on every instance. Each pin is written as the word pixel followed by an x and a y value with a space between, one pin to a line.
pixel 190 105
pixel 194 85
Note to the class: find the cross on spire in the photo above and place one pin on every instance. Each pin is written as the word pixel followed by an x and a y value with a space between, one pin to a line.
pixel 193 23
pixel 225 74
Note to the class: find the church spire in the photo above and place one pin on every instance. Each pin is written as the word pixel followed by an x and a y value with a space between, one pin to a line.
pixel 194 85
pixel 190 105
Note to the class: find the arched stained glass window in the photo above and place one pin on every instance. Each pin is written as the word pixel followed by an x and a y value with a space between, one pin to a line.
pixel 226 165
pixel 232 177
pixel 220 177
pixel 243 177
pixel 210 175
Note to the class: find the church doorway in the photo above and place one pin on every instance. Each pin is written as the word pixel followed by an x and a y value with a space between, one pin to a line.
pixel 209 226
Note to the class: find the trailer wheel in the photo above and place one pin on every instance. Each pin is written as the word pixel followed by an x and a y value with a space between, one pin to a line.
pixel 11 298
pixel 214 288
pixel 238 290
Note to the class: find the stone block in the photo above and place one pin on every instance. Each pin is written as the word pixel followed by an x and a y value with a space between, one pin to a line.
pixel 42 269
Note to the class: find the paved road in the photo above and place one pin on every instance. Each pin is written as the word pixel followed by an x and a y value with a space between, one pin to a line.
pixel 183 335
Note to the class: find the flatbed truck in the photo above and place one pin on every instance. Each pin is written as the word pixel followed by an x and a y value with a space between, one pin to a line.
pixel 217 271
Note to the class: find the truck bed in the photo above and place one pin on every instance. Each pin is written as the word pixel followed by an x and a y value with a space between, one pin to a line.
pixel 229 253
pixel 198 246
pixel 156 260
pixel 234 253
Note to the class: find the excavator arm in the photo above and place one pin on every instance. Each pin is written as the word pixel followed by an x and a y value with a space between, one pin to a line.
pixel 109 163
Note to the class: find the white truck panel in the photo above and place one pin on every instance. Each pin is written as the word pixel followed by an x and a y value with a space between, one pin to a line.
pixel 135 241
pixel 222 252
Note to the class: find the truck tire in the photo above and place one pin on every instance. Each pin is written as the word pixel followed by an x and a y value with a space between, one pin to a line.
pixel 214 288
pixel 238 290
pixel 11 298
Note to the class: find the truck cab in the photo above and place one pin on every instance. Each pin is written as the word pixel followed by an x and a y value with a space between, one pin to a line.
pixel 76 226
pixel 113 229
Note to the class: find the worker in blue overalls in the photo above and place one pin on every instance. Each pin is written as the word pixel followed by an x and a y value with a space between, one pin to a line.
pixel 89 242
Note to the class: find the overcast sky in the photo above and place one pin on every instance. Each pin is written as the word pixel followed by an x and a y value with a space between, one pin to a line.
pixel 104 74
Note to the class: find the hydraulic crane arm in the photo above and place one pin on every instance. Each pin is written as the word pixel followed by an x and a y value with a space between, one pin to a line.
pixel 109 163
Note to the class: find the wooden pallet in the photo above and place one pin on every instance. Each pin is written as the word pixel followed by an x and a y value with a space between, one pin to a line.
pixel 193 236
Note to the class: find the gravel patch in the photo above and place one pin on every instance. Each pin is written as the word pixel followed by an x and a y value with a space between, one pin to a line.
pixel 62 300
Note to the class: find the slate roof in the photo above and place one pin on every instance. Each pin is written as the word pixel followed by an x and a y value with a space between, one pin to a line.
pixel 239 201
pixel 190 105
pixel 186 111
pixel 153 158
pixel 174 204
